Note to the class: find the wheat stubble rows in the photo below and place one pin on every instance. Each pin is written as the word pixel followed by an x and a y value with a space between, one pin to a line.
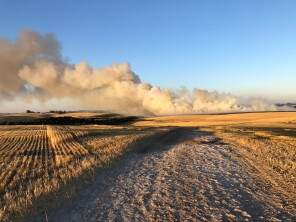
pixel 173 174
pixel 36 160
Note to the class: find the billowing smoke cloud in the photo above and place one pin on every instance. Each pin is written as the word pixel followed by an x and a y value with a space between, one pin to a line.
pixel 33 70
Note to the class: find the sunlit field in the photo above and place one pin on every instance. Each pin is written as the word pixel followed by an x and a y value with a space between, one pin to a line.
pixel 272 150
pixel 40 162
pixel 265 140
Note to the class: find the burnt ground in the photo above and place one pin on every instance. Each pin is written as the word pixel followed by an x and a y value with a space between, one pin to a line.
pixel 106 119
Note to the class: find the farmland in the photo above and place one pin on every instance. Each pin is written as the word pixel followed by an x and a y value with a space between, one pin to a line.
pixel 72 172
pixel 36 160
pixel 266 141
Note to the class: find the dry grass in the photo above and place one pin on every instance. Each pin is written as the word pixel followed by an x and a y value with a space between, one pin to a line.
pixel 267 141
pixel 272 151
pixel 259 119
pixel 37 160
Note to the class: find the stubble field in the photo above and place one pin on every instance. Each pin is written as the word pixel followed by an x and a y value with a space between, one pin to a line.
pixel 42 166
pixel 39 159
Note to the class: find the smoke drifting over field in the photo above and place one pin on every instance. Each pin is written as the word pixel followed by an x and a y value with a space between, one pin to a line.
pixel 34 74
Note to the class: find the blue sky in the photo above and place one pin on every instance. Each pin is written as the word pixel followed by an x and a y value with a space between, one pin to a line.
pixel 241 46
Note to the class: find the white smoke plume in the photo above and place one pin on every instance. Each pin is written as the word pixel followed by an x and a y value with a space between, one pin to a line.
pixel 32 71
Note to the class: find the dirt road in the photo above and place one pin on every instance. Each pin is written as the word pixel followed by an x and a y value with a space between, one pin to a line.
pixel 197 178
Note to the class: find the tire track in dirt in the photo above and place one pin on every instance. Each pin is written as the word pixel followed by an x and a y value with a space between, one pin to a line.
pixel 196 179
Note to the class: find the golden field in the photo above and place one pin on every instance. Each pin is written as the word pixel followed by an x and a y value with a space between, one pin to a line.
pixel 283 119
pixel 266 141
pixel 39 160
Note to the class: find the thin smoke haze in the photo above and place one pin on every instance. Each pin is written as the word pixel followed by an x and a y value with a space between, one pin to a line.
pixel 34 74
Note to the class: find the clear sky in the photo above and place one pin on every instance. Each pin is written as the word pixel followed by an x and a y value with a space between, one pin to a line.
pixel 240 46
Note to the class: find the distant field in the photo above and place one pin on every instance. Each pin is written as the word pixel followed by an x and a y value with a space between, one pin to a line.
pixel 41 159
pixel 284 119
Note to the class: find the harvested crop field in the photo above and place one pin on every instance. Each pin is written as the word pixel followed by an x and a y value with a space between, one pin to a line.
pixel 37 160
pixel 231 167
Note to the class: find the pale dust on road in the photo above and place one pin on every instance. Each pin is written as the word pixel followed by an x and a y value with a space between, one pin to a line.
pixel 196 179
